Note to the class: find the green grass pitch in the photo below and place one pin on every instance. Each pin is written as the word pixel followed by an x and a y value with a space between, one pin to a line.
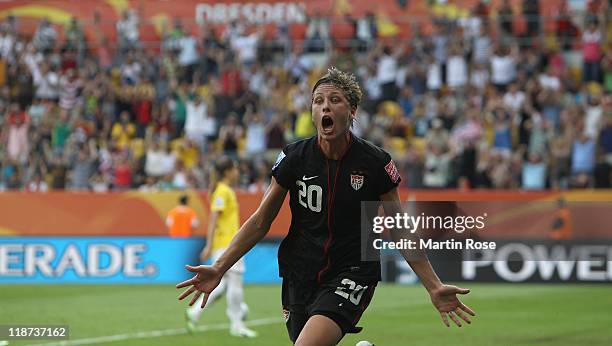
pixel 507 314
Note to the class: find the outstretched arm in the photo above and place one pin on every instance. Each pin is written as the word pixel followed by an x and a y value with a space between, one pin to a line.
pixel 252 231
pixel 443 297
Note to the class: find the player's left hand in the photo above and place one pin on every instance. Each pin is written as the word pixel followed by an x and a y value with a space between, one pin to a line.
pixel 205 280
pixel 445 300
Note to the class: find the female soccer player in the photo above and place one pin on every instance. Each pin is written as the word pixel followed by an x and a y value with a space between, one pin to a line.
pixel 326 285
pixel 222 226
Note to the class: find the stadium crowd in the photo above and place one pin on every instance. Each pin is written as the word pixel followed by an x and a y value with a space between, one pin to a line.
pixel 471 104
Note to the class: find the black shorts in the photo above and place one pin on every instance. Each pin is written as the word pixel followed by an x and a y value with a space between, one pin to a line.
pixel 343 300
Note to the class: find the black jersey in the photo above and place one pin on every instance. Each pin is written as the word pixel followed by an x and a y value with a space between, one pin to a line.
pixel 324 238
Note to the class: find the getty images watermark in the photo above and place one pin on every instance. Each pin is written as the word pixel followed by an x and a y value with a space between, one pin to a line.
pixel 422 227
pixel 405 222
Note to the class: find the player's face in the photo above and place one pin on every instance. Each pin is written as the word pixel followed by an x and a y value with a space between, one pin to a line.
pixel 331 112
pixel 234 174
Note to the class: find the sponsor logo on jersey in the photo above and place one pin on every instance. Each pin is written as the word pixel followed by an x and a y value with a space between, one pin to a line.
pixel 219 202
pixel 356 181
pixel 392 172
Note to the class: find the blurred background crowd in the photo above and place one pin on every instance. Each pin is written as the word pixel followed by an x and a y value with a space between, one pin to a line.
pixel 470 104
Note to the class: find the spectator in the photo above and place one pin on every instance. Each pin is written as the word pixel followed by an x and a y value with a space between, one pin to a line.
pixel 531 13
pixel 502 138
pixel 583 155
pixel 45 36
pixel 61 132
pixel 275 134
pixel 255 143
pixel 69 87
pixel 457 69
pixel 366 30
pixel 46 81
pixel 437 168
pixel 479 77
pixel 144 94
pixel 245 47
pixel 565 29
pixel 387 71
pixel 83 166
pixel 503 67
pixel 514 98
pixel 534 173
pixel 128 30
pixel 593 117
pixel 591 52
pixel 37 185
pixel 17 127
pixel 504 19
pixel 605 140
pixel 74 35
pixel 481 46
pixel 197 123
pixel 318 33
pixel 154 165
pixel 123 174
pixel 229 135
pixel 187 57
pixel 123 131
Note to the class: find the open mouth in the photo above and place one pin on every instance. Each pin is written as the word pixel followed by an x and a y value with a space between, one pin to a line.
pixel 327 122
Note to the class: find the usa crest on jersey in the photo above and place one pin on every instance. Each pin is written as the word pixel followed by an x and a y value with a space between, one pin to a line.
pixel 356 181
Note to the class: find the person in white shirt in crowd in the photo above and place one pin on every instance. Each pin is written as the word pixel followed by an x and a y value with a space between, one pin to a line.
pixel 196 124
pixel 434 74
pixel 548 80
pixel 481 46
pixel 46 81
pixel 128 29
pixel 456 67
pixel 154 164
pixel 179 178
pixel 245 46
pixel 130 70
pixel 479 76
pixel 255 133
pixel 367 30
pixel 371 86
pixel 234 29
pixel 7 41
pixel 168 159
pixel 593 117
pixel 387 69
pixel 514 98
pixel 503 67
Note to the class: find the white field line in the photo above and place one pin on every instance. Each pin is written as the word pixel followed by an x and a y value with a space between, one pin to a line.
pixel 154 333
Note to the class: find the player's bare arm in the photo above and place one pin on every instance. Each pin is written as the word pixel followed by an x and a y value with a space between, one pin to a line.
pixel 252 231
pixel 443 297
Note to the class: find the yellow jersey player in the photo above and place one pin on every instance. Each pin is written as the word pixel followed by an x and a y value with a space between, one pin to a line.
pixel 223 224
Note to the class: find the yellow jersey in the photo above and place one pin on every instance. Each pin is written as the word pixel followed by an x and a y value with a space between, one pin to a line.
pixel 223 201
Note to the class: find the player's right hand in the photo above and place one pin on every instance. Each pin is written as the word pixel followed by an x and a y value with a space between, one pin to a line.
pixel 207 278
